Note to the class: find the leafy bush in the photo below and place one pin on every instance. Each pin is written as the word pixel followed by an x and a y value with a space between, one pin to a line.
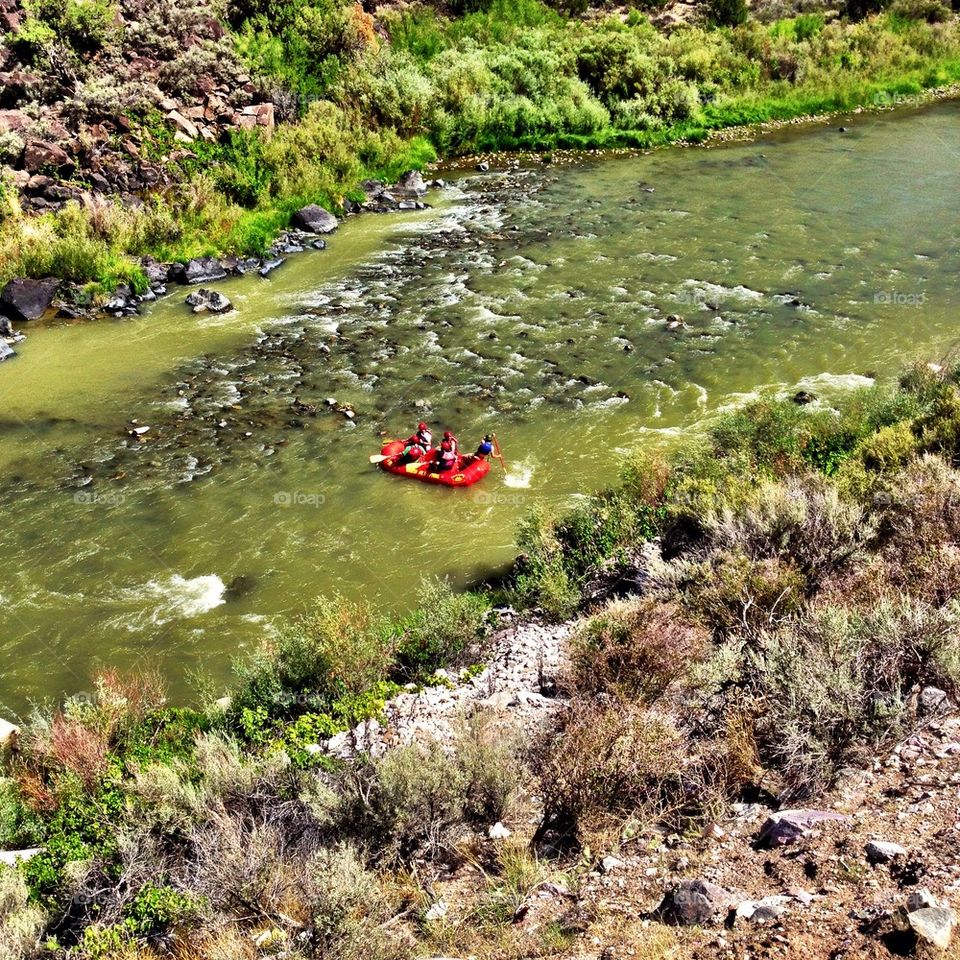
pixel 835 684
pixel 336 648
pixel 635 650
pixel 444 625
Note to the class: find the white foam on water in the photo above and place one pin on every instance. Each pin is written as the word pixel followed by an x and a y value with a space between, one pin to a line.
pixel 519 476
pixel 179 598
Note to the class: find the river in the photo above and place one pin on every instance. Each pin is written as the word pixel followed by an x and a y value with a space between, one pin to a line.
pixel 534 302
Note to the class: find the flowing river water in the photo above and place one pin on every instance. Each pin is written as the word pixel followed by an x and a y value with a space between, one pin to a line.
pixel 535 303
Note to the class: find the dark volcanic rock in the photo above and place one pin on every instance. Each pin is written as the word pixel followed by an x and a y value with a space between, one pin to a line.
pixel 697 902
pixel 202 300
pixel 28 299
pixel 203 270
pixel 315 219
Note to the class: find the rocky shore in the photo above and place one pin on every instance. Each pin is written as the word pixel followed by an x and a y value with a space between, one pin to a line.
pixel 24 300
pixel 872 869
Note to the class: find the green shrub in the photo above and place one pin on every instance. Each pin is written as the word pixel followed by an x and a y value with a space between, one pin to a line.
pixel 338 647
pixel 158 909
pixel 930 11
pixel 444 625
pixel 835 684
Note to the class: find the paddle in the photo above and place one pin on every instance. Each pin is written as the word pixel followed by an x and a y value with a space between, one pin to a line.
pixel 379 457
pixel 497 453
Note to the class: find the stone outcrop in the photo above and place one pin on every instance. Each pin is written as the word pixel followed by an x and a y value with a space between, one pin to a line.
pixel 788 826
pixel 315 219
pixel 23 300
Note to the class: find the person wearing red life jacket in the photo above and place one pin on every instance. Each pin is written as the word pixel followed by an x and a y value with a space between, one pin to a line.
pixel 413 451
pixel 423 436
pixel 448 453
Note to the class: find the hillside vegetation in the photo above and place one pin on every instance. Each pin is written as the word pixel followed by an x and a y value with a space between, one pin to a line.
pixel 174 130
pixel 755 617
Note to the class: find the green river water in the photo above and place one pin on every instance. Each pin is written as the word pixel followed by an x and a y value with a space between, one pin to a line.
pixel 533 302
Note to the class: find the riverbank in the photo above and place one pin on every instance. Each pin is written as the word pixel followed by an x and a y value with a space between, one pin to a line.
pixel 728 635
pixel 535 80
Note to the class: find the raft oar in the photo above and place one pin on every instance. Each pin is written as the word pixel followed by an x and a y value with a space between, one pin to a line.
pixel 497 453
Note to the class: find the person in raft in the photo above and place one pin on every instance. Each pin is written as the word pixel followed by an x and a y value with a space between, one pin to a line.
pixel 447 455
pixel 485 448
pixel 423 436
pixel 414 451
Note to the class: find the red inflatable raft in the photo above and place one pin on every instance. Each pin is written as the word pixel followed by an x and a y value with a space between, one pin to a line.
pixel 468 470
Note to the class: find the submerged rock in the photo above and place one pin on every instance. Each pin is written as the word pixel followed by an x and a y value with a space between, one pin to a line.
pixel 315 219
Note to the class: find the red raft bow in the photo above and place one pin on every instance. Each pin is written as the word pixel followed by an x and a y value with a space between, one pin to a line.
pixel 466 471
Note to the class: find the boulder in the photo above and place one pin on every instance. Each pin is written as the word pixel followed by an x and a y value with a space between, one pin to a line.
pixel 6 351
pixel 803 397
pixel 932 701
pixel 155 271
pixel 315 219
pixel 40 155
pixel 411 184
pixel 203 300
pixel 184 126
pixel 202 270
pixel 14 121
pixel 933 924
pixel 882 851
pixel 697 902
pixel 9 732
pixel 24 300
pixel 762 911
pixel 788 826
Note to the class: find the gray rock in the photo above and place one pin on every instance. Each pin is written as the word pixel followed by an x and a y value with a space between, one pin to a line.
pixel 788 826
pixel 6 350
pixel 882 851
pixel 920 899
pixel 698 902
pixel 610 864
pixel 201 270
pixel 933 924
pixel 6 328
pixel 12 857
pixel 411 184
pixel 315 219
pixel 203 300
pixel 268 266
pixel 762 911
pixel 24 300
pixel 932 701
